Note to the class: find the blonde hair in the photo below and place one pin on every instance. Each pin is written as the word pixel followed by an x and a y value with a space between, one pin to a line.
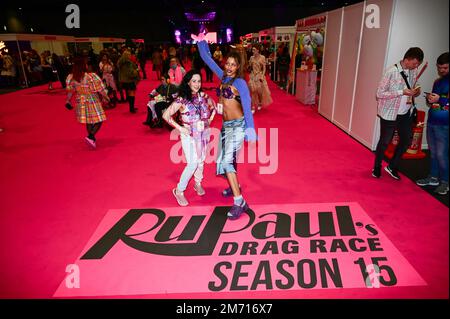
pixel 126 54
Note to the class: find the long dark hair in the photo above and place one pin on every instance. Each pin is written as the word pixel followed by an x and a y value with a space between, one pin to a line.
pixel 237 57
pixel 79 68
pixel 184 89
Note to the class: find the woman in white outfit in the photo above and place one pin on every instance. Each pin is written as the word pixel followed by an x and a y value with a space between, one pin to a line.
pixel 197 111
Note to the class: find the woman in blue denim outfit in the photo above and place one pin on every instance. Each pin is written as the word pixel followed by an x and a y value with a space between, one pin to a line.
pixel 235 105
pixel 197 111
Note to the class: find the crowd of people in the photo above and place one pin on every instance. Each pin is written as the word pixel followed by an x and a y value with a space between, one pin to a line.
pixel 49 67
pixel 244 90
pixel 41 68
pixel 180 101
pixel 97 81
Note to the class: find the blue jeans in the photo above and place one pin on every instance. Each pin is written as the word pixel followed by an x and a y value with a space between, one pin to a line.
pixel 231 140
pixel 437 137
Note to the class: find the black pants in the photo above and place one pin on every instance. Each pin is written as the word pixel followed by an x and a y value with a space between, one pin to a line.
pixel 159 108
pixel 403 124
pixel 142 65
pixel 92 129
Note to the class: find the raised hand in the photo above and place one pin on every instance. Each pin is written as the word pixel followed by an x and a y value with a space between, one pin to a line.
pixel 199 37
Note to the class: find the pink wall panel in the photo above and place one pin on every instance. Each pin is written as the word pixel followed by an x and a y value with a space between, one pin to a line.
pixel 347 65
pixel 330 63
pixel 371 64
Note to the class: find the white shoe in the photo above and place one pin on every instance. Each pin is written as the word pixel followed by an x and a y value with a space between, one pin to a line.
pixel 199 189
pixel 90 142
pixel 182 201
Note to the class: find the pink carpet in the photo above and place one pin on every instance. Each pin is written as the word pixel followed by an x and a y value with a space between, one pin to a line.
pixel 55 192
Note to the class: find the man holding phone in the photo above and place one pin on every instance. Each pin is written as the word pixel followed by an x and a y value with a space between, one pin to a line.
pixel 395 105
pixel 437 129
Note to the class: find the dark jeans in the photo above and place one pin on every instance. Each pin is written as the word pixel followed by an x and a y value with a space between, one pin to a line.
pixel 437 137
pixel 142 65
pixel 403 124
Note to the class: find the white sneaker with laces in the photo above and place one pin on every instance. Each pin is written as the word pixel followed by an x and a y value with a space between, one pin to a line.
pixel 442 189
pixel 432 181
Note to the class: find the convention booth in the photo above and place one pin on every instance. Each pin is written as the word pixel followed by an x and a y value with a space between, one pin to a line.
pixel 96 43
pixel 306 58
pixel 276 37
pixel 266 36
pixel 18 43
pixel 38 42
pixel 364 39
pixel 250 38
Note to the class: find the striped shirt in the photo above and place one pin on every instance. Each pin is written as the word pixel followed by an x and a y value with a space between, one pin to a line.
pixel 390 91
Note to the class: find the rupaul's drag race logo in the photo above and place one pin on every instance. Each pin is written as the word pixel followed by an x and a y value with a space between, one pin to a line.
pixel 197 249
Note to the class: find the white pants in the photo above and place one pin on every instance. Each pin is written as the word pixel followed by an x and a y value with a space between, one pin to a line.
pixel 195 163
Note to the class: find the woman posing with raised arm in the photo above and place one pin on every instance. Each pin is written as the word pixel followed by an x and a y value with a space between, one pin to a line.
pixel 235 107
pixel 197 111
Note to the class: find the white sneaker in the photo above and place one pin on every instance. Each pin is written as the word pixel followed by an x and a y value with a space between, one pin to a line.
pixel 442 189
pixel 199 189
pixel 90 142
pixel 182 201
pixel 432 181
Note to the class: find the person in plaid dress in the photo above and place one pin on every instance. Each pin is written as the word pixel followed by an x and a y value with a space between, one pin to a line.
pixel 89 90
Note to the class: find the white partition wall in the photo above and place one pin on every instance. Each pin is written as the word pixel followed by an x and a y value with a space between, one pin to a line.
pixel 370 70
pixel 348 64
pixel 357 53
pixel 330 63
